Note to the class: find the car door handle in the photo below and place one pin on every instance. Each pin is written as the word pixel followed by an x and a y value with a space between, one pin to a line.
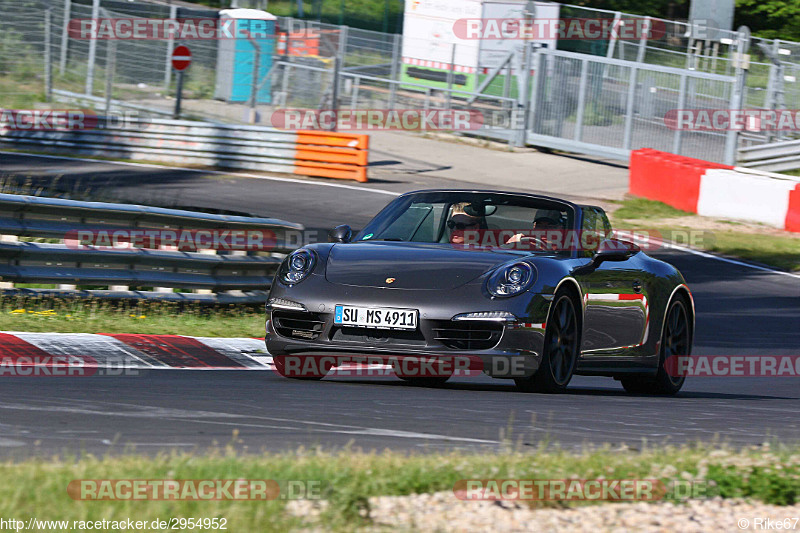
pixel 637 286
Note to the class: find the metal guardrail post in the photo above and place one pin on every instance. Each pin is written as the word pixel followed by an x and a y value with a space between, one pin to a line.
pixel 62 63
pixel 92 50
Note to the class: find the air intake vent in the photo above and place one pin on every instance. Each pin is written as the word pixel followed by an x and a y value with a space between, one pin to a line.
pixel 297 325
pixel 472 335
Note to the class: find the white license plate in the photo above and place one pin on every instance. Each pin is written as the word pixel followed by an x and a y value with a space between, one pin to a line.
pixel 375 317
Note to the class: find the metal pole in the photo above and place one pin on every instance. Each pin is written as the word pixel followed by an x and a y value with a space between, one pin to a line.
pixel 254 81
pixel 676 138
pixel 613 41
pixel 173 14
pixel 285 83
pixel 538 86
pixel 92 50
pixel 62 63
pixel 450 74
pixel 111 61
pixel 354 99
pixel 343 33
pixel 627 136
pixel 337 66
pixel 395 70
pixel 507 81
pixel 48 60
pixel 581 99
pixel 643 41
pixel 178 96
pixel 526 90
pixel 737 98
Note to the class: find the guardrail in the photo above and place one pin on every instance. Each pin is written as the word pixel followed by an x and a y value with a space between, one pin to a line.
pixel 308 153
pixel 246 275
pixel 774 157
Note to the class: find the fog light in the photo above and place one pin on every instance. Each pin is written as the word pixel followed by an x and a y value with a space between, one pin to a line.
pixel 497 316
pixel 282 303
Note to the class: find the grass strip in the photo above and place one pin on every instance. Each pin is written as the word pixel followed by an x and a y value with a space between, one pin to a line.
pixel 59 315
pixel 348 478
pixel 780 251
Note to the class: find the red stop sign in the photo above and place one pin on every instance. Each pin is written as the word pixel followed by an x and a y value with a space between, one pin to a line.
pixel 181 58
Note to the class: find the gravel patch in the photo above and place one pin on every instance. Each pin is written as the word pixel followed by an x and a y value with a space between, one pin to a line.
pixel 443 512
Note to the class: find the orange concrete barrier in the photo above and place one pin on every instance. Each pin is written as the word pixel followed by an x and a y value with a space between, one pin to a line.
pixel 328 154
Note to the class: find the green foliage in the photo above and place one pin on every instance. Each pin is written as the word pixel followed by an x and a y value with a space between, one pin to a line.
pixel 766 18
pixel 642 208
pixel 770 18
pixel 59 315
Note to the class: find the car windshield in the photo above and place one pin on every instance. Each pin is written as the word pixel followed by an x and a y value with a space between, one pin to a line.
pixel 483 219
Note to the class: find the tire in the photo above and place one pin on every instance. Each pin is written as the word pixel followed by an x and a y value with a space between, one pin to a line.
pixel 561 348
pixel 676 340
pixel 280 367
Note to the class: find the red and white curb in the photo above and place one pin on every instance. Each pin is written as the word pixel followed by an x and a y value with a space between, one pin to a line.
pixel 140 351
pixel 137 351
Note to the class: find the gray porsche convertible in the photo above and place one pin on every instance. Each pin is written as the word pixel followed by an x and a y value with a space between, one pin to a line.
pixel 526 287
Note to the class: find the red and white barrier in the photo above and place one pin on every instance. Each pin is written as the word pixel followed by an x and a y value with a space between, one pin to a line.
pixel 712 189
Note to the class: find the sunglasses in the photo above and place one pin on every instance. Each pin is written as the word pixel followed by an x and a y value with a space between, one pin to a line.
pixel 460 225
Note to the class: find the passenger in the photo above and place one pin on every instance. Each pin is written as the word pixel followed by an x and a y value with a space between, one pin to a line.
pixel 460 222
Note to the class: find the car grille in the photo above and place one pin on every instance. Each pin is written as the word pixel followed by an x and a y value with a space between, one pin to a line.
pixel 468 335
pixel 377 336
pixel 298 324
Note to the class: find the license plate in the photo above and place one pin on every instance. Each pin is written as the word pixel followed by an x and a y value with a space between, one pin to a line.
pixel 375 317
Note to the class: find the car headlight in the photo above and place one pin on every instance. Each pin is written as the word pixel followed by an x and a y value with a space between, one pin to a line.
pixel 510 280
pixel 297 266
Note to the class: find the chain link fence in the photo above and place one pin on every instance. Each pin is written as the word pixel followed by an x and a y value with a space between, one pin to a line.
pixel 583 101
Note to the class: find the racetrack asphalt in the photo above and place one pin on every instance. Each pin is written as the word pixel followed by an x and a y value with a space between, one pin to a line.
pixel 740 311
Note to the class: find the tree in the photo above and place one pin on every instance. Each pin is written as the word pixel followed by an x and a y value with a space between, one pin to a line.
pixel 773 19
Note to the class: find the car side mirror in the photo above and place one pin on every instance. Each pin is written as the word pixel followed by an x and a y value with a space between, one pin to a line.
pixel 614 250
pixel 341 233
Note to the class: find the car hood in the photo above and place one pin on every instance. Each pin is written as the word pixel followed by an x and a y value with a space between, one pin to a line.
pixel 410 265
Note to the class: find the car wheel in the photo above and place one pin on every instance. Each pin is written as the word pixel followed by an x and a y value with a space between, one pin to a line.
pixel 675 341
pixel 314 375
pixel 561 348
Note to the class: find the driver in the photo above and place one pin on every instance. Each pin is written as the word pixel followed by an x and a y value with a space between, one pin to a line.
pixel 541 226
pixel 460 221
